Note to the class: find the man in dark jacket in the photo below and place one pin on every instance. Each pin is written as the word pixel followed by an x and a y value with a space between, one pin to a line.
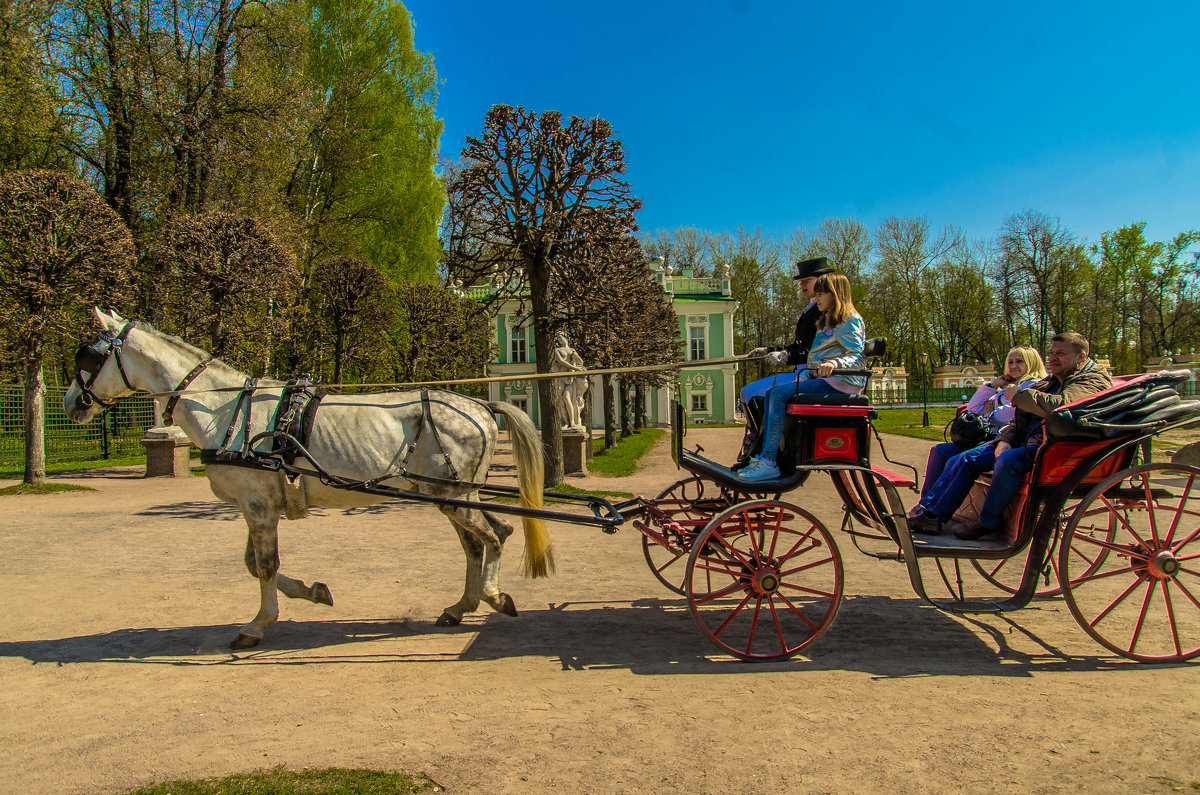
pixel 796 353
pixel 1010 456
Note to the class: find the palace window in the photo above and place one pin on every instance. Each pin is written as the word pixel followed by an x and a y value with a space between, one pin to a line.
pixel 699 402
pixel 697 347
pixel 517 350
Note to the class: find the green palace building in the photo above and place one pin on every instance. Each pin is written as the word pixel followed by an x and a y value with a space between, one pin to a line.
pixel 704 308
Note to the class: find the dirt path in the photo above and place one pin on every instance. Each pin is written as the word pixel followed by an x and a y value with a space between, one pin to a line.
pixel 117 604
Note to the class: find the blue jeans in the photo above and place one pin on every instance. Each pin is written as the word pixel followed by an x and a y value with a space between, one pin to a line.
pixel 759 388
pixel 945 496
pixel 939 454
pixel 776 403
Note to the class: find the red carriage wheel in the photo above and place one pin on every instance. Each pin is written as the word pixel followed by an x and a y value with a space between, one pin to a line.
pixel 1006 573
pixel 1136 589
pixel 682 502
pixel 764 580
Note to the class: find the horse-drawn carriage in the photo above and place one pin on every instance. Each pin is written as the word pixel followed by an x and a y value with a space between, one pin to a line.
pixel 762 575
pixel 1119 534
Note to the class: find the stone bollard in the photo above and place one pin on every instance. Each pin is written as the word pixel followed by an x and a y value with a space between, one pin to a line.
pixel 574 462
pixel 167 452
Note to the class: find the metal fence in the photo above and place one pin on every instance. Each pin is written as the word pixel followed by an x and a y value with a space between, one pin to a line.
pixel 118 431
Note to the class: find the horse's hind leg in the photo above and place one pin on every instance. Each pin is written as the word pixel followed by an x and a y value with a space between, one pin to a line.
pixel 262 559
pixel 482 536
pixel 499 600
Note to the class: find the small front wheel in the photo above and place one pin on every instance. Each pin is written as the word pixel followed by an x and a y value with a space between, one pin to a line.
pixel 1129 563
pixel 683 502
pixel 764 580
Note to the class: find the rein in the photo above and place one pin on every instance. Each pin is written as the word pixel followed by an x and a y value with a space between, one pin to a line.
pixel 647 368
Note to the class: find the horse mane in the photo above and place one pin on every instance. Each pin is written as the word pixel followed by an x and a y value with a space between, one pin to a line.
pixel 142 325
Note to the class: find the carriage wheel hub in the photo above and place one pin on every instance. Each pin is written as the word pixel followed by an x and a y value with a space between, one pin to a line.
pixel 1164 564
pixel 765 581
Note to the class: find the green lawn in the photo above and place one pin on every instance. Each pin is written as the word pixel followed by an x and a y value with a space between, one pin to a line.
pixel 907 422
pixel 622 459
pixel 41 488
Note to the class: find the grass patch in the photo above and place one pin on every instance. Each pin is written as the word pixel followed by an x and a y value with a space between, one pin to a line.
pixel 567 488
pixel 279 781
pixel 59 467
pixel 621 460
pixel 907 422
pixel 42 488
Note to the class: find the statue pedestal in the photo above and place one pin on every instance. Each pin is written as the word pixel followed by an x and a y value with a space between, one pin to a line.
pixel 574 452
pixel 167 452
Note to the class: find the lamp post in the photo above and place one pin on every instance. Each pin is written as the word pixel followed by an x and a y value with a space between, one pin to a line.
pixel 925 390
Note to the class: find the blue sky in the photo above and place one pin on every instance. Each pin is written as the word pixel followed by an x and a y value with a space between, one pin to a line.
pixel 781 114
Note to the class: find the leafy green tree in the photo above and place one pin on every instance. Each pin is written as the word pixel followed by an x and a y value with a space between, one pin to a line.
pixel 365 185
pixel 61 250
pixel 31 129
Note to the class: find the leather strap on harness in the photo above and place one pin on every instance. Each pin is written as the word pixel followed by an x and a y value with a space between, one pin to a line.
pixel 246 396
pixel 168 417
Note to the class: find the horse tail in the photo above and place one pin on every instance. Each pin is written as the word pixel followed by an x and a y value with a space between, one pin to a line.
pixel 531 476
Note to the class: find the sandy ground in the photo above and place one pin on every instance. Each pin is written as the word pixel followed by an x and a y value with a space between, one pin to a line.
pixel 117 606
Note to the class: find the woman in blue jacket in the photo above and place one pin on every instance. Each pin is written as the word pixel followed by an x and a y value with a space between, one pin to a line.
pixel 838 345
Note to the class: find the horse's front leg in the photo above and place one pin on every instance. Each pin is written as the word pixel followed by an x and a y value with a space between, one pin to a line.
pixel 262 559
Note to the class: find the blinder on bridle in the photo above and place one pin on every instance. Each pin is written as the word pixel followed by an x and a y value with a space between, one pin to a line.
pixel 90 360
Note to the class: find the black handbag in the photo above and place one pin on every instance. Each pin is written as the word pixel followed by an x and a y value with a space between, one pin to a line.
pixel 969 430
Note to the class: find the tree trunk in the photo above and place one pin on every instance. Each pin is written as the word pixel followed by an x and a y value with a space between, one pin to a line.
pixel 588 453
pixel 626 411
pixel 35 419
pixel 548 392
pixel 639 407
pixel 610 420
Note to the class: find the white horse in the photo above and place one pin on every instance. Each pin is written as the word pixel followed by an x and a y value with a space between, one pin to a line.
pixel 357 437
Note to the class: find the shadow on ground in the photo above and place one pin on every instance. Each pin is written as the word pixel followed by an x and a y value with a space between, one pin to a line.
pixel 873 635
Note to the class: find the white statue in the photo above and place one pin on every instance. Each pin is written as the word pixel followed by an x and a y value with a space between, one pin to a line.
pixel 566 360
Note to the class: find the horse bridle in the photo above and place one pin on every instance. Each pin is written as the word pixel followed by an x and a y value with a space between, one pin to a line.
pixel 91 358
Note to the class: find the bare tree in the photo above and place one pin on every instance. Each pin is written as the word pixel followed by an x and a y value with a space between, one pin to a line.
pixel 61 249
pixel 444 336
pixel 520 203
pixel 1036 254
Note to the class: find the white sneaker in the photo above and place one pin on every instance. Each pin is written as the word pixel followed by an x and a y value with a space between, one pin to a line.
pixel 759 470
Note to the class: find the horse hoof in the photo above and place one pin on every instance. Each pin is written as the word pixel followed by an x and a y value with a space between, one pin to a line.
pixel 506 605
pixel 447 620
pixel 322 594
pixel 244 641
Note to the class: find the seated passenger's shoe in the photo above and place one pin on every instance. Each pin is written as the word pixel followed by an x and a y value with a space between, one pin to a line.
pixel 759 470
pixel 926 524
pixel 972 530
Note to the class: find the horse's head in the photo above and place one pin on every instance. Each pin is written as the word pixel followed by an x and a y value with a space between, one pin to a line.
pixel 99 372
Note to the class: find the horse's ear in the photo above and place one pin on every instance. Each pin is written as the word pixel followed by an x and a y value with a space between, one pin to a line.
pixel 107 320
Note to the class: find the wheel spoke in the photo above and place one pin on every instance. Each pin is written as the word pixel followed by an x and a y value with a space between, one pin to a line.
pixel 1141 621
pixel 1179 510
pixel 1124 520
pixel 806 567
pixel 1171 617
pixel 1112 605
pixel 1121 549
pixel 1150 505
pixel 797 611
pixel 734 614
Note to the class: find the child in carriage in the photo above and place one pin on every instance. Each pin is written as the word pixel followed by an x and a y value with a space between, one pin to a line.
pixel 838 345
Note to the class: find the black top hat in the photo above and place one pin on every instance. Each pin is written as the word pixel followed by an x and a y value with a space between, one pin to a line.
pixel 812 267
